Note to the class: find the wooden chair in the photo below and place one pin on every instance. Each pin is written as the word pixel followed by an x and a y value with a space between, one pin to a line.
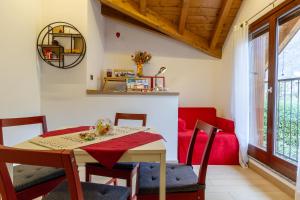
pixel 70 189
pixel 130 116
pixel 121 170
pixel 32 181
pixel 181 180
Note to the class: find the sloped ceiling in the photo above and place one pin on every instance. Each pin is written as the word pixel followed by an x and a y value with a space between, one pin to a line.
pixel 203 24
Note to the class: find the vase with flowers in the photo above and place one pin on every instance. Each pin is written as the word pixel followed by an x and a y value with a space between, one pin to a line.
pixel 140 58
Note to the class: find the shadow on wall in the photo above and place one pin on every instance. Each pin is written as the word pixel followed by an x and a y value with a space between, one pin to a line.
pixel 95 15
pixel 134 38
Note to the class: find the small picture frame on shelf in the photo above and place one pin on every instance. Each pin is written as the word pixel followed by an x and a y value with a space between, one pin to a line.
pixel 58 29
pixel 124 73
pixel 137 84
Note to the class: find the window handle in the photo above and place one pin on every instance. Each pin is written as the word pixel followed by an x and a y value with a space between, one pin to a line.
pixel 270 90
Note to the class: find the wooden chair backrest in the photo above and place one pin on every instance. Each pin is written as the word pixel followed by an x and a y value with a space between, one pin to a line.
pixel 9 122
pixel 211 133
pixel 130 116
pixel 60 159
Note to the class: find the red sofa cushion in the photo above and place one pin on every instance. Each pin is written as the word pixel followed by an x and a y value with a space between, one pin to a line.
pixel 192 114
pixel 225 150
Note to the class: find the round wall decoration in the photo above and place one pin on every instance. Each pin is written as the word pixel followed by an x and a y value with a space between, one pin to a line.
pixel 61 45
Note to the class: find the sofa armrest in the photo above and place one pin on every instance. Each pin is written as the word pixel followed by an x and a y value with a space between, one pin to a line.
pixel 225 125
pixel 181 124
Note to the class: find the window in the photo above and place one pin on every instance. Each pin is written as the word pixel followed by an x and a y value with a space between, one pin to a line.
pixel 259 53
pixel 274 88
pixel 287 98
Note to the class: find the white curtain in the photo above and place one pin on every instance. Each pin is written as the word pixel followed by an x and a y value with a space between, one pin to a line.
pixel 258 74
pixel 240 98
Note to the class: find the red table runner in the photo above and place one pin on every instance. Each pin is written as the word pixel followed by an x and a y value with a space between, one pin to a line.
pixel 107 153
pixel 65 131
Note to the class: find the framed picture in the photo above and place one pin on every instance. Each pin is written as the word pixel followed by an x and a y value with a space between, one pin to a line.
pixel 124 73
pixel 137 84
pixel 58 29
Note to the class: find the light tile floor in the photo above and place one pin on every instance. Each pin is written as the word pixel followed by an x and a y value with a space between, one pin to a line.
pixel 236 183
pixel 231 183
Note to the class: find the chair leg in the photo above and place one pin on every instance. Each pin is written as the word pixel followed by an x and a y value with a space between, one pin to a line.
pixel 133 197
pixel 201 195
pixel 129 182
pixel 115 181
pixel 88 176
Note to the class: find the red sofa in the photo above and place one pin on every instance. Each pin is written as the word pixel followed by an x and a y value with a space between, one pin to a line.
pixel 225 149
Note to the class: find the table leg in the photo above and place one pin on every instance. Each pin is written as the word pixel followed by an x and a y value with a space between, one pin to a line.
pixel 162 186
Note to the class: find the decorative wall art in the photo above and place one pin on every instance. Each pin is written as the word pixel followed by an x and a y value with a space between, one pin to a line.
pixel 61 45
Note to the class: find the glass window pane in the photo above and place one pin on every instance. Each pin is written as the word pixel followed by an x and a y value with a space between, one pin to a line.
pixel 287 98
pixel 259 50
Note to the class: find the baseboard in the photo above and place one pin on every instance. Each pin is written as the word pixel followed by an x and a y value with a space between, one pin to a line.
pixel 283 183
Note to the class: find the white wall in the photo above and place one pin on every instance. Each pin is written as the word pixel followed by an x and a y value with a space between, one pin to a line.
pixel 95 41
pixel 189 71
pixel 69 85
pixel 19 79
pixel 64 99
pixel 58 82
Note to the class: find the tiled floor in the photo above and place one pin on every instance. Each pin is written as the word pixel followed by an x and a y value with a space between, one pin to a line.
pixel 236 183
pixel 232 183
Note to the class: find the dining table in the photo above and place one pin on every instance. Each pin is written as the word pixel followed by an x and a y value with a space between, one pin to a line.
pixel 151 152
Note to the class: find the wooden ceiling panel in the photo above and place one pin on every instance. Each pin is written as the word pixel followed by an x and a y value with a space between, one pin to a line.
pixel 201 19
pixel 203 24
pixel 171 13
pixel 204 31
pixel 166 10
pixel 197 11
pixel 173 18
pixel 164 3
pixel 230 19
pixel 200 27
pixel 206 3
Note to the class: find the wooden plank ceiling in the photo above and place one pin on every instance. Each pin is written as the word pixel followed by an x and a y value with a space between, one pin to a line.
pixel 203 24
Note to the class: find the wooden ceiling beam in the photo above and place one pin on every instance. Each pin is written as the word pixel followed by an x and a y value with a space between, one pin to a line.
pixel 112 13
pixel 143 6
pixel 183 15
pixel 154 20
pixel 222 17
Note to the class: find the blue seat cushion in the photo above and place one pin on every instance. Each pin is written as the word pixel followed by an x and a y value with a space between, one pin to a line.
pixel 91 191
pixel 122 166
pixel 26 176
pixel 179 178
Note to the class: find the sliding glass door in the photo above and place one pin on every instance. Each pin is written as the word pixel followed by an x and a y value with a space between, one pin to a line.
pixel 275 88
